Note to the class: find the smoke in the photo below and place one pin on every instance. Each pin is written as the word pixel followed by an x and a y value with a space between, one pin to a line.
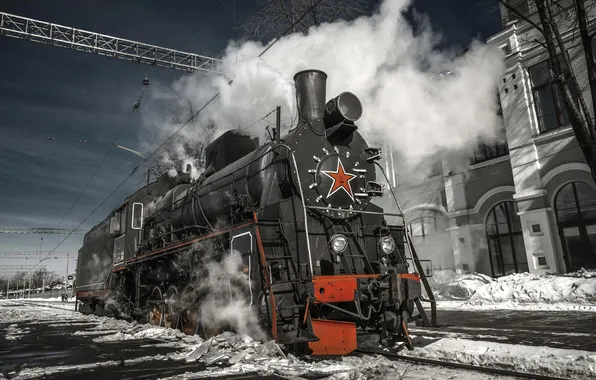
pixel 225 297
pixel 390 64
pixel 95 269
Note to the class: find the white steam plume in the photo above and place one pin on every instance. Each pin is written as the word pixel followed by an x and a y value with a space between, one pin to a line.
pixel 226 300
pixel 388 64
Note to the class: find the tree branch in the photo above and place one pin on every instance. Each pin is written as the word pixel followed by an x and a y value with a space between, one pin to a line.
pixel 520 15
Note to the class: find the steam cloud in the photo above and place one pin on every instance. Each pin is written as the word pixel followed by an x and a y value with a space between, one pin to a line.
pixel 226 300
pixel 390 65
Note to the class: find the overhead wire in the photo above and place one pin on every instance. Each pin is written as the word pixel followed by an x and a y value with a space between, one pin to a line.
pixel 113 143
pixel 240 129
pixel 143 161
pixel 261 119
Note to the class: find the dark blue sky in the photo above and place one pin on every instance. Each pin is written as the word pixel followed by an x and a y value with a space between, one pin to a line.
pixel 49 91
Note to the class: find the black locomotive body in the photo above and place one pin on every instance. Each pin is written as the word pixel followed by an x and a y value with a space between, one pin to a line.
pixel 321 264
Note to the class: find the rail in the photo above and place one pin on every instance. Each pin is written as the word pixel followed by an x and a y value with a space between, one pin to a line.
pixel 469 367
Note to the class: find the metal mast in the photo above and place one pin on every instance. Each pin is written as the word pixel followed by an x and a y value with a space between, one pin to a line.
pixel 91 42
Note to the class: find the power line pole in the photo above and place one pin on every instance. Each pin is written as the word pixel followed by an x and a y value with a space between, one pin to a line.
pixel 66 277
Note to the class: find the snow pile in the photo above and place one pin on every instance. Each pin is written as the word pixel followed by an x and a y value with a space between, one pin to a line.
pixel 17 314
pixel 140 332
pixel 571 291
pixel 14 333
pixel 586 273
pixel 574 364
pixel 241 354
pixel 49 299
pixel 526 288
pixel 448 285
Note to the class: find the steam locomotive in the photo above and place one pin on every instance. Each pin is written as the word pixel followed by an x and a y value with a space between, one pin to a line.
pixel 319 265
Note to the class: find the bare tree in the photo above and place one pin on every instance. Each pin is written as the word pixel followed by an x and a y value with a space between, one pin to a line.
pixel 273 17
pixel 17 280
pixel 562 74
pixel 42 277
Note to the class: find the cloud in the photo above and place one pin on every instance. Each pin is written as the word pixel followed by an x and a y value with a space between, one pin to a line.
pixel 390 65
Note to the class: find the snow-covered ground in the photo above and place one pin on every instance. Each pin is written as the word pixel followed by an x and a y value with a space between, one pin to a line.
pixel 230 353
pixel 573 364
pixel 233 354
pixel 522 291
pixel 226 354
pixel 41 299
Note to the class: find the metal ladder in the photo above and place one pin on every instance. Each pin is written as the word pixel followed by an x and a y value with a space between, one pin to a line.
pixel 431 297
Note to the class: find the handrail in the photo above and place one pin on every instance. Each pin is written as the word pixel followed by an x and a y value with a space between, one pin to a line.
pixel 303 204
pixel 355 211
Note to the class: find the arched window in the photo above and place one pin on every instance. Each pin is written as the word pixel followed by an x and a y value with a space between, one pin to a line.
pixel 575 207
pixel 426 225
pixel 507 251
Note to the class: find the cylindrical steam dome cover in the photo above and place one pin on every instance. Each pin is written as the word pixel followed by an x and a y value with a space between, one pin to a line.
pixel 344 107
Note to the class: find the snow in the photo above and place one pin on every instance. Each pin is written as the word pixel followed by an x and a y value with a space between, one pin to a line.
pixel 522 291
pixel 229 353
pixel 224 354
pixel 13 332
pixel 49 299
pixel 575 364
pixel 447 285
pixel 524 288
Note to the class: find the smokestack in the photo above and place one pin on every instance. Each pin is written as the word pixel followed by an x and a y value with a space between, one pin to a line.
pixel 311 86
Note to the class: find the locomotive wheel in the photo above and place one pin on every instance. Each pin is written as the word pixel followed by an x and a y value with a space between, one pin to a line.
pixel 208 332
pixel 189 313
pixel 122 304
pixel 171 309
pixel 155 313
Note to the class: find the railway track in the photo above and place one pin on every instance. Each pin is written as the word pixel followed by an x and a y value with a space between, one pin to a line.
pixel 415 360
pixel 469 367
pixel 44 304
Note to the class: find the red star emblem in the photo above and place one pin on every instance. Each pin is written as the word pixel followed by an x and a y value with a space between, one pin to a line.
pixel 341 180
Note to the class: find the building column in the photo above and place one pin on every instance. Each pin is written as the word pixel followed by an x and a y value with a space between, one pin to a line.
pixel 539 241
pixel 463 253
pixel 460 230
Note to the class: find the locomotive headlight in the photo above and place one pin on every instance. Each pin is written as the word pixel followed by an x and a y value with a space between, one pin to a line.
pixel 339 243
pixel 387 244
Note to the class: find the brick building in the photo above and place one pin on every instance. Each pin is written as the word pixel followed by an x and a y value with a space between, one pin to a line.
pixel 527 203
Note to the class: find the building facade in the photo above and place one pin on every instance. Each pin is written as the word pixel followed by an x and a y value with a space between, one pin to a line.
pixel 527 203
